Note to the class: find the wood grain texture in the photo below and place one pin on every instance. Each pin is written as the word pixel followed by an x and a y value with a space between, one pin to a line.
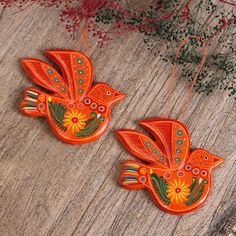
pixel 48 187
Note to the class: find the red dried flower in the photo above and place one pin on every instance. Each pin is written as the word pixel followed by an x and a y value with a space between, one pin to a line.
pixel 91 6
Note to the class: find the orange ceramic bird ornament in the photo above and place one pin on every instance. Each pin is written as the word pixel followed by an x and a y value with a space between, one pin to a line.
pixel 179 180
pixel 76 111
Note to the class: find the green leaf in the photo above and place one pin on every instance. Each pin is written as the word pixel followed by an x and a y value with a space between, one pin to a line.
pixel 196 191
pixel 160 186
pixel 57 111
pixel 92 126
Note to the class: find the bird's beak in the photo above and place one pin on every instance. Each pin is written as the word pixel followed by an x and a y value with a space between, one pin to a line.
pixel 118 96
pixel 217 161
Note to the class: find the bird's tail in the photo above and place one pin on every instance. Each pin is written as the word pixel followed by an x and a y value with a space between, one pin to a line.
pixel 34 103
pixel 133 175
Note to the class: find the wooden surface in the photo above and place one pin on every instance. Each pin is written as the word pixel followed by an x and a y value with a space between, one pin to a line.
pixel 48 187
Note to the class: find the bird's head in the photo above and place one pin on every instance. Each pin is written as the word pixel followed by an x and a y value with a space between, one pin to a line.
pixel 203 158
pixel 105 94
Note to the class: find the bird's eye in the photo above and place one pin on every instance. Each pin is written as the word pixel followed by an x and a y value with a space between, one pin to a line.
pixel 206 158
pixel 108 93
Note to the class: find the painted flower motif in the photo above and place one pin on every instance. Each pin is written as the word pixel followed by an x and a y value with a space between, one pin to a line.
pixel 178 191
pixel 74 120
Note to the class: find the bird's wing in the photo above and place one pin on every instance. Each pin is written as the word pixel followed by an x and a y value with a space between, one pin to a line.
pixel 46 76
pixel 143 148
pixel 172 137
pixel 77 71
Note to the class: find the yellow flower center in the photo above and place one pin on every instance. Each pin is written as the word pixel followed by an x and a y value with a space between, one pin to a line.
pixel 75 120
pixel 177 190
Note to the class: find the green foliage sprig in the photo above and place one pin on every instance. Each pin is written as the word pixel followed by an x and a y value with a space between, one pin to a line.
pixel 212 20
